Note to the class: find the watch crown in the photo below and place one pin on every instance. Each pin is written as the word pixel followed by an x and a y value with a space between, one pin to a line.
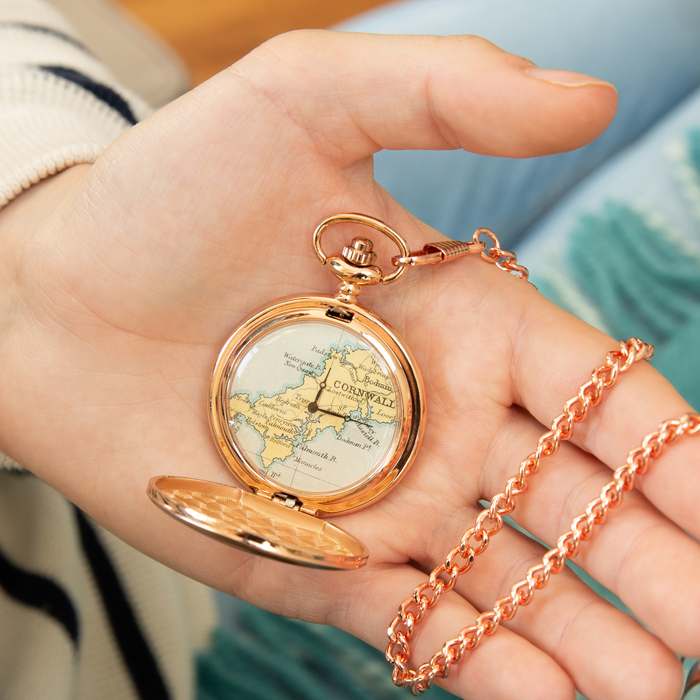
pixel 360 253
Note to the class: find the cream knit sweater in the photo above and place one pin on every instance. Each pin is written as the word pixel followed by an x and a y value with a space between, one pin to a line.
pixel 82 615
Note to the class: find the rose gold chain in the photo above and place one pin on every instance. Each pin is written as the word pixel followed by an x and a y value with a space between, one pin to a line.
pixel 490 521
pixel 503 259
pixel 521 593
pixel 446 251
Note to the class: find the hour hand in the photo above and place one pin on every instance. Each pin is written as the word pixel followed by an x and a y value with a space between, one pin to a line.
pixel 321 387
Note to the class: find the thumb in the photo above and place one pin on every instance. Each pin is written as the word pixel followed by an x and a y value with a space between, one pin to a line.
pixel 369 92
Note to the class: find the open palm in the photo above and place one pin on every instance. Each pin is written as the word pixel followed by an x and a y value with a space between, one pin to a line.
pixel 136 270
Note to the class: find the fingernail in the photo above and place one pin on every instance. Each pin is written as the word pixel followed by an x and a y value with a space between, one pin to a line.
pixel 564 78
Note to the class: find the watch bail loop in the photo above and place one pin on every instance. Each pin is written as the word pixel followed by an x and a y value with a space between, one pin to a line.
pixel 364 220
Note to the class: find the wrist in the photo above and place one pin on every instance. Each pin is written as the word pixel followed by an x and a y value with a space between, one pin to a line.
pixel 22 222
pixel 25 221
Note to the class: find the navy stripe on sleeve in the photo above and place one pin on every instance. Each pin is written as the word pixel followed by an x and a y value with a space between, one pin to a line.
pixel 135 651
pixel 48 31
pixel 39 592
pixel 100 90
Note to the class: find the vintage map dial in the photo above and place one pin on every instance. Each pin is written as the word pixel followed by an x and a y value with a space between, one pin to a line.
pixel 313 407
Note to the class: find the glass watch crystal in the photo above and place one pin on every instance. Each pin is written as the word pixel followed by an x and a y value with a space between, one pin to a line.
pixel 312 407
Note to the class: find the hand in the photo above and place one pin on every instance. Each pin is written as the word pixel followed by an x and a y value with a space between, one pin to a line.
pixel 121 282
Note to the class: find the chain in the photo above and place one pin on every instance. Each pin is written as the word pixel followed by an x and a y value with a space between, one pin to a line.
pixel 503 259
pixel 446 251
pixel 490 521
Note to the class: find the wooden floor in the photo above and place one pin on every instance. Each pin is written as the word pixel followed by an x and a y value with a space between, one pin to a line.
pixel 212 34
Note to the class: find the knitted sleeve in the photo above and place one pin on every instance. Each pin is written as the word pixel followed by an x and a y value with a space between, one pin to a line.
pixel 59 106
pixel 82 614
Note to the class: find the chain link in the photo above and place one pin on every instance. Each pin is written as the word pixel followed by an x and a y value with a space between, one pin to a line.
pixel 490 521
pixel 446 251
pixel 503 259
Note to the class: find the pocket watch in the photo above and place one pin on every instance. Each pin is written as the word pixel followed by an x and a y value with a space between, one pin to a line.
pixel 318 407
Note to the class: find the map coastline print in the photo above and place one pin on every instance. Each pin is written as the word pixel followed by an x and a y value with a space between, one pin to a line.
pixel 313 407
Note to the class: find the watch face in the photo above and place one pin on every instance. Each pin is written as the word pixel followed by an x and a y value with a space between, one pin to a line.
pixel 312 406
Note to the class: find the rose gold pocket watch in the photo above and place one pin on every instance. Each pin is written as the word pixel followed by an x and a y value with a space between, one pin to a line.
pixel 318 407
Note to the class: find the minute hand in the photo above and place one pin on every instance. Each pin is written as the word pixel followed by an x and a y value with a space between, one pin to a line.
pixel 338 415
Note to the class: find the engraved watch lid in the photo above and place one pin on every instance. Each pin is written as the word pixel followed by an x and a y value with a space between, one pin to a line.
pixel 257 524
